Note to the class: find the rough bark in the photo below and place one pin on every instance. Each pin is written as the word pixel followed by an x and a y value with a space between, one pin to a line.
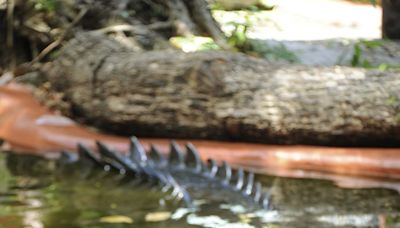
pixel 391 19
pixel 202 16
pixel 30 31
pixel 224 95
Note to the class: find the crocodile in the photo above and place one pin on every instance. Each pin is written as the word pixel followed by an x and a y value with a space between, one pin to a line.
pixel 182 174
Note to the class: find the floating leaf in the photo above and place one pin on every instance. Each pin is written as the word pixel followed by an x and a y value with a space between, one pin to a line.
pixel 158 216
pixel 116 219
pixel 246 218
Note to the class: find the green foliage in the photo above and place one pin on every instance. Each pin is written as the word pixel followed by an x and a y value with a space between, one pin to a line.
pixel 239 23
pixel 241 42
pixel 259 5
pixel 238 38
pixel 385 66
pixel 275 52
pixel 4 173
pixel 393 220
pixel 357 58
pixel 373 2
pixel 45 5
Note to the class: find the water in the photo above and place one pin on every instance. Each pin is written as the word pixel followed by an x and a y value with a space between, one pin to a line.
pixel 34 193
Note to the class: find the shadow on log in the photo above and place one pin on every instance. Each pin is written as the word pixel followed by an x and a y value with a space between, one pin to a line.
pixel 223 95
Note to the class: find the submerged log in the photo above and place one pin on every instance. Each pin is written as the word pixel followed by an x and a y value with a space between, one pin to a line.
pixel 223 95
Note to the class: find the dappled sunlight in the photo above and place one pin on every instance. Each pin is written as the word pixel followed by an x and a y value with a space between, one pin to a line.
pixel 45 196
pixel 264 113
pixel 307 20
pixel 349 220
pixel 33 217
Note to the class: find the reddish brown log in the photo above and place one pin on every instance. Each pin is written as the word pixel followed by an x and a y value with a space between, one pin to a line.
pixel 28 126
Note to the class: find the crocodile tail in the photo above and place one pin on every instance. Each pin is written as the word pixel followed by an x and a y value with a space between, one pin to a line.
pixel 153 166
pixel 137 164
pixel 222 174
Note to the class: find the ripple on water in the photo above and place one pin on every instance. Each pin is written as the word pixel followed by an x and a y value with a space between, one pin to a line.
pixel 49 199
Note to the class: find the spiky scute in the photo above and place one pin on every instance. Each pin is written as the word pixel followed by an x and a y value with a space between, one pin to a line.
pixel 155 167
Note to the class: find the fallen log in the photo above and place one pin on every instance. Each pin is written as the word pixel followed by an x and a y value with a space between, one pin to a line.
pixel 223 95
pixel 28 127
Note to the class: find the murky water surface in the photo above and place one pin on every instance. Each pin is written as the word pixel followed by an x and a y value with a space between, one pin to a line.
pixel 34 193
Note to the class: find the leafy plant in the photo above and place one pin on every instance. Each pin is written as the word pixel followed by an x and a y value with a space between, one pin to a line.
pixel 393 219
pixel 45 5
pixel 275 52
pixel 4 174
pixel 239 37
pixel 385 66
pixel 373 2
pixel 229 5
pixel 357 58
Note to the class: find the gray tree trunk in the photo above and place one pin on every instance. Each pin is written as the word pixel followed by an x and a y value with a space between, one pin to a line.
pixel 225 95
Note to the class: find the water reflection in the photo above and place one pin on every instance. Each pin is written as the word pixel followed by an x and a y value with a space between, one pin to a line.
pixel 33 193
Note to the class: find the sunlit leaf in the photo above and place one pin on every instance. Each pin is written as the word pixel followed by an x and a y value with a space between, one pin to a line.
pixel 116 219
pixel 158 216
pixel 194 43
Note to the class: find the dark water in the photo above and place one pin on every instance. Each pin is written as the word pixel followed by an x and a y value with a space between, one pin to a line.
pixel 33 193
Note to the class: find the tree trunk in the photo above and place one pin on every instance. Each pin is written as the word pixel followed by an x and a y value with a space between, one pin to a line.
pixel 225 95
pixel 391 19
pixel 29 33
